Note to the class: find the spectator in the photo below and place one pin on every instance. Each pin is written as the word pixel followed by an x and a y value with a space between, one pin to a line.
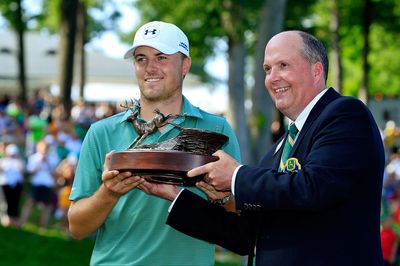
pixel 12 169
pixel 393 167
pixel 41 167
pixel 389 242
pixel 64 173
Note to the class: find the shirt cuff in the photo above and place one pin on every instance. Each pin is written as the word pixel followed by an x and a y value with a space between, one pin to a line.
pixel 234 179
pixel 172 204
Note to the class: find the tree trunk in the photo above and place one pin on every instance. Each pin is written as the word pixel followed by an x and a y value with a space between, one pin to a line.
pixel 363 93
pixel 20 27
pixel 67 48
pixel 263 110
pixel 237 55
pixel 336 51
pixel 80 41
pixel 232 21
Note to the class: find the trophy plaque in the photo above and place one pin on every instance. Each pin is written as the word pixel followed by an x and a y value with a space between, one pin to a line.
pixel 168 161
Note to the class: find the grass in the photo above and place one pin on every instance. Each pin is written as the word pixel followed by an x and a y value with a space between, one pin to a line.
pixel 33 246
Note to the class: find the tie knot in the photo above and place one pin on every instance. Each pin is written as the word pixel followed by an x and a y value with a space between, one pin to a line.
pixel 293 130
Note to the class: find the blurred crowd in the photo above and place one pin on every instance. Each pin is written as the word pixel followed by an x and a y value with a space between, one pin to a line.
pixel 39 150
pixel 390 210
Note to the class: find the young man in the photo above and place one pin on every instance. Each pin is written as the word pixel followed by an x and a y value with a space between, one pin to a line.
pixel 314 199
pixel 130 224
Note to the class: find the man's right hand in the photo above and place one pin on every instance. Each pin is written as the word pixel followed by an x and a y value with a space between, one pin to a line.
pixel 118 183
pixel 86 215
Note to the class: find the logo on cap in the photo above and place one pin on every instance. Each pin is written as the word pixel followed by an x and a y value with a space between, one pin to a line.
pixel 184 46
pixel 150 32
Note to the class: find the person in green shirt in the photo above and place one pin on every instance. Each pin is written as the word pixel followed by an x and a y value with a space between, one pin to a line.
pixel 130 224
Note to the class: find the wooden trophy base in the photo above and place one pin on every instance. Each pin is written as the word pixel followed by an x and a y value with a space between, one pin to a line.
pixel 169 166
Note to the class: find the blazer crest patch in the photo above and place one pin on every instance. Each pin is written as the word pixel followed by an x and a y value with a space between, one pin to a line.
pixel 292 165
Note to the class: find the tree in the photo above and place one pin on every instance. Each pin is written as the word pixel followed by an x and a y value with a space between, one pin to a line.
pixel 80 48
pixel 263 110
pixel 363 59
pixel 76 28
pixel 366 24
pixel 13 12
pixel 233 18
pixel 384 55
pixel 67 50
pixel 334 27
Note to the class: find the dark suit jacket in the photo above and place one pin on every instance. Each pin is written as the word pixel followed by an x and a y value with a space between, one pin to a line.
pixel 327 213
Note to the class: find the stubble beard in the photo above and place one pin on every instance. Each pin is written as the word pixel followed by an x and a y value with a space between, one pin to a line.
pixel 158 96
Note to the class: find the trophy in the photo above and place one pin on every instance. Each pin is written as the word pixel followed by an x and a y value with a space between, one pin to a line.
pixel 168 161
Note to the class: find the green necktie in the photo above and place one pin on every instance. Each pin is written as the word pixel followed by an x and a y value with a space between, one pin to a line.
pixel 288 146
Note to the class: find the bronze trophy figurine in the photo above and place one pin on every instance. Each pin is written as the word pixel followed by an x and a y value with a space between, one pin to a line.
pixel 170 160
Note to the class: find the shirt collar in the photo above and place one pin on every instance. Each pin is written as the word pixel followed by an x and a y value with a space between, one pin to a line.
pixel 187 108
pixel 301 119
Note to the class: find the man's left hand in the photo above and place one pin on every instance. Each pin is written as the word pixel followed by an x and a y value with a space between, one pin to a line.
pixel 165 191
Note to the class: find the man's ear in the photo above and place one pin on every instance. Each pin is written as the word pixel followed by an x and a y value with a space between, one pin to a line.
pixel 186 65
pixel 318 72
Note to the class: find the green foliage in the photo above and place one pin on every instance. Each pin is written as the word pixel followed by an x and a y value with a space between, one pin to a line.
pixel 383 43
pixel 298 14
pixel 385 62
pixel 315 17
pixel 51 16
pixel 8 9
pixel 388 15
pixel 351 12
pixel 258 123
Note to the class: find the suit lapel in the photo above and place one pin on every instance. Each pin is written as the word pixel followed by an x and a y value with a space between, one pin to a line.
pixel 278 149
pixel 279 143
pixel 327 98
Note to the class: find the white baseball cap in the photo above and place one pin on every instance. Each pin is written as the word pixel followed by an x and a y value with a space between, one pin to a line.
pixel 12 150
pixel 165 37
